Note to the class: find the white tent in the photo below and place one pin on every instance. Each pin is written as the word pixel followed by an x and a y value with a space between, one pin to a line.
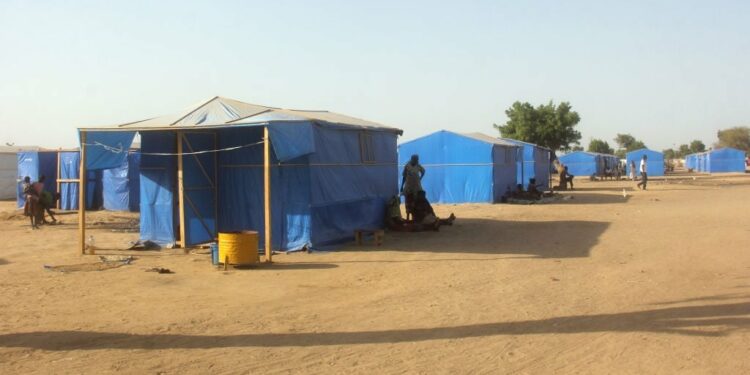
pixel 9 170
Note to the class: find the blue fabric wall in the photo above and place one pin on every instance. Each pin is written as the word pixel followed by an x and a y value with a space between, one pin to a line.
pixel 726 160
pixel 69 169
pixel 581 163
pixel 121 185
pixel 504 170
pixel 348 189
pixel 459 169
pixel 655 162
pixel 35 164
pixel 158 182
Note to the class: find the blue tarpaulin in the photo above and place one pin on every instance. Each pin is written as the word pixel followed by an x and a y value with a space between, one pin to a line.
pixel 121 185
pixel 69 170
pixel 35 164
pixel 533 162
pixel 107 149
pixel 654 161
pixel 462 168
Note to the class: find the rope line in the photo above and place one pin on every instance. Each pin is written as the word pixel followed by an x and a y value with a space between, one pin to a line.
pixel 120 149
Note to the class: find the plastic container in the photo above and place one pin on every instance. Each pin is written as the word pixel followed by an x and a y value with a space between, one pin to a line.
pixel 214 253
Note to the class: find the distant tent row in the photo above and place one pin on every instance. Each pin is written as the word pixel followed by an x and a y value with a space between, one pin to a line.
pixel 475 168
pixel 582 163
pixel 654 162
pixel 723 160
pixel 210 169
pixel 115 189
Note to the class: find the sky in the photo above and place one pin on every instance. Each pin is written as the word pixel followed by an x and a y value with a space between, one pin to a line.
pixel 666 72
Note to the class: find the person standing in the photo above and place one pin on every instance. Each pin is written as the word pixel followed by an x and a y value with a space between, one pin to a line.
pixel 632 170
pixel 644 172
pixel 411 183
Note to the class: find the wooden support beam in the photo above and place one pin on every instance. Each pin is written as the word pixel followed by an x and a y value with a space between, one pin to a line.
pixel 59 170
pixel 181 191
pixel 82 197
pixel 267 192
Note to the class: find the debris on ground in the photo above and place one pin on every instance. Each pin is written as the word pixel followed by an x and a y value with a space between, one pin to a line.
pixel 159 270
pixel 105 263
pixel 143 245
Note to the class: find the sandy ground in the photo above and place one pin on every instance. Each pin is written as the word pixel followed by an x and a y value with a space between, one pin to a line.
pixel 655 282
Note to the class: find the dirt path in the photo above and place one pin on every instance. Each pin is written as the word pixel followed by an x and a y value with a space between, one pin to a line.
pixel 650 282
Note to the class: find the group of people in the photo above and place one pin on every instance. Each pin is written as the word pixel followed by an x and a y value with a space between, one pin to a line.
pixel 420 215
pixel 38 201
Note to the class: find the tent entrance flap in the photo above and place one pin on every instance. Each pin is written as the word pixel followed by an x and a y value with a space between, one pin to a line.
pixel 199 174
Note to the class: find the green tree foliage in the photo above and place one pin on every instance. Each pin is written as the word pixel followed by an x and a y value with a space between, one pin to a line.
pixel 600 146
pixel 576 148
pixel 669 154
pixel 627 143
pixel 683 151
pixel 738 137
pixel 548 125
pixel 697 146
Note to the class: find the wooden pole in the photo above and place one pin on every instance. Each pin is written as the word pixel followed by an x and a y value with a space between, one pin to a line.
pixel 59 172
pixel 267 192
pixel 181 191
pixel 82 197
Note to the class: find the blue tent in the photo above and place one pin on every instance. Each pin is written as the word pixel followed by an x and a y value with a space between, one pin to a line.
pixel 463 168
pixel 331 174
pixel 121 185
pixel 35 164
pixel 725 160
pixel 581 163
pixel 69 170
pixel 690 162
pixel 535 162
pixel 654 161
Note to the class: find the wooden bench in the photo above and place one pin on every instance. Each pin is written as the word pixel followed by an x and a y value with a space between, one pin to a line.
pixel 377 235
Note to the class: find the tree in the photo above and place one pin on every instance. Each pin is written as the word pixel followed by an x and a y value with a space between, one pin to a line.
pixel 627 143
pixel 600 146
pixel 576 148
pixel 669 154
pixel 548 125
pixel 697 146
pixel 737 137
pixel 683 151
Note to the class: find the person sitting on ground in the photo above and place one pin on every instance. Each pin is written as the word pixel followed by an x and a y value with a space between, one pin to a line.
pixel 424 214
pixel 411 182
pixel 565 179
pixel 30 201
pixel 532 191
pixel 393 219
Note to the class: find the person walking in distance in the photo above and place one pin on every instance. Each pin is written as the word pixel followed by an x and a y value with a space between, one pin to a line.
pixel 644 172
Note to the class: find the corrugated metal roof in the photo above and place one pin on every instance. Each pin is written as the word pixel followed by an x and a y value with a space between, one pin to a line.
pixel 221 111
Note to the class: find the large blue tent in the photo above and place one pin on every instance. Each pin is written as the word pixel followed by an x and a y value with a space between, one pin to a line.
pixel 463 168
pixel 534 162
pixel 654 161
pixel 329 174
pixel 35 164
pixel 582 163
pixel 722 160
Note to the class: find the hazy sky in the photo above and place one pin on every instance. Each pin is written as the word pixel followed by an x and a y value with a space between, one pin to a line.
pixel 667 73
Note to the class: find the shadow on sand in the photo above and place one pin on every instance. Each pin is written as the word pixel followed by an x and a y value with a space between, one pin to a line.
pixel 708 320
pixel 541 239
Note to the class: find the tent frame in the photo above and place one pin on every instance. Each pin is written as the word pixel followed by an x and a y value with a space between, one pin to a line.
pixel 180 192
